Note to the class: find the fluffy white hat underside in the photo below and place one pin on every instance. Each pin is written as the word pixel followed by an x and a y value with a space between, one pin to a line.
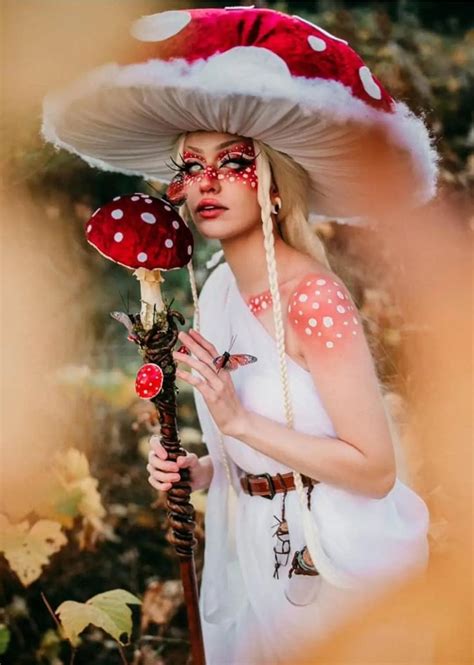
pixel 127 119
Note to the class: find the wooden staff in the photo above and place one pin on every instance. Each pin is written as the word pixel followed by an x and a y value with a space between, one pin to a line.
pixel 151 237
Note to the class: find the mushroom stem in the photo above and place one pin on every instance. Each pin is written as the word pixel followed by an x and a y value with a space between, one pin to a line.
pixel 150 295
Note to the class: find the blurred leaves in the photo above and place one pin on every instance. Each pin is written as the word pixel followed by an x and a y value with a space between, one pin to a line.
pixel 108 611
pixel 28 548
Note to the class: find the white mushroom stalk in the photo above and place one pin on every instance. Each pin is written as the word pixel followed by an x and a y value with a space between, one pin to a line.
pixel 150 296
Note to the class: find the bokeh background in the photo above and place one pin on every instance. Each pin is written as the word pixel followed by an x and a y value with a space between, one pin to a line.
pixel 77 516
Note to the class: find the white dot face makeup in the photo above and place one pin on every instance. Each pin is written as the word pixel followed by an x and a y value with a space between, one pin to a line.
pixel 234 165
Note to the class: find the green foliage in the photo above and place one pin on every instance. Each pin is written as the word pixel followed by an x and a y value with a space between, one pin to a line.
pixel 108 611
pixel 4 638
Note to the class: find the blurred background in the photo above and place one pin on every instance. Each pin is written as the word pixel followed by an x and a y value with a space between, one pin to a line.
pixel 77 516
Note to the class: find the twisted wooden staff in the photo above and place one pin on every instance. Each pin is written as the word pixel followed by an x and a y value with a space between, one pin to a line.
pixel 147 234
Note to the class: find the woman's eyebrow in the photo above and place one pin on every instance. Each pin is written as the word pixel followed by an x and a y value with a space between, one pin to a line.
pixel 218 147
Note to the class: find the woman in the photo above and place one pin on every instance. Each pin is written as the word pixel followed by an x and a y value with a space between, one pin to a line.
pixel 342 436
pixel 305 514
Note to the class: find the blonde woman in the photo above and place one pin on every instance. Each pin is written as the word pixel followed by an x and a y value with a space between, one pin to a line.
pixel 270 120
pixel 310 404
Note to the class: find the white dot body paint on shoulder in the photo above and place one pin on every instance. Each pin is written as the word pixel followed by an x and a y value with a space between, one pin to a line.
pixel 327 317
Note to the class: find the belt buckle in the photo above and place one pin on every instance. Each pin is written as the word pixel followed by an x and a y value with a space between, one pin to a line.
pixel 270 484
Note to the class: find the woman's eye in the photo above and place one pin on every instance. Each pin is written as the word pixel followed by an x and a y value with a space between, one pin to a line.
pixel 241 163
pixel 188 166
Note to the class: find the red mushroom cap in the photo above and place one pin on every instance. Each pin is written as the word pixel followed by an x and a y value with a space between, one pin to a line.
pixel 149 381
pixel 141 231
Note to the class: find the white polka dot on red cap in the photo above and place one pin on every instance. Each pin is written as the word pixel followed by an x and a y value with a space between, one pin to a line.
pixel 142 257
pixel 148 217
pixel 190 249
pixel 118 237
pixel 160 26
pixel 316 43
pixel 175 224
pixel 370 86
pixel 117 213
pixel 168 243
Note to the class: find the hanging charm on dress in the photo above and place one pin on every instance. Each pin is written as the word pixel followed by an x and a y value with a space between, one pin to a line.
pixel 302 563
pixel 282 548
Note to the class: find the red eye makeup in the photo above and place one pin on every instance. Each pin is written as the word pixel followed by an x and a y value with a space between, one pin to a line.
pixel 194 168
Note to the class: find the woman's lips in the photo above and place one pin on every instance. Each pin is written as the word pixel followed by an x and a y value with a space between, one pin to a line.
pixel 209 214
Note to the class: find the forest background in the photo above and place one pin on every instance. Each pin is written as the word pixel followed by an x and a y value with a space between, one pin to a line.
pixel 77 515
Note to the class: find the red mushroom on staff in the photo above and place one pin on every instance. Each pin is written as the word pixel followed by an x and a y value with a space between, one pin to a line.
pixel 146 234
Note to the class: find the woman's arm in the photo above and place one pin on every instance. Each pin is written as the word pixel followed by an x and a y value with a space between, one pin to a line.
pixel 204 476
pixel 326 323
pixel 327 459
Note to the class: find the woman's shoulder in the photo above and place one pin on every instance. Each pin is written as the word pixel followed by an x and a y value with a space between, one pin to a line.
pixel 306 274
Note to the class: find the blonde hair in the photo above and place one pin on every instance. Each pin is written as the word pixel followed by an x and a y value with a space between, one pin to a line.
pixel 292 182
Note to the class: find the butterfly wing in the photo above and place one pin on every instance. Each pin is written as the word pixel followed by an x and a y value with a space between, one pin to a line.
pixel 219 362
pixel 237 360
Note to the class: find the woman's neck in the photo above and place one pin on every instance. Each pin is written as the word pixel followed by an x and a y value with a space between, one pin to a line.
pixel 245 255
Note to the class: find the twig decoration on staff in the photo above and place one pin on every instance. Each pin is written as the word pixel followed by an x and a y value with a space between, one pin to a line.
pixel 146 234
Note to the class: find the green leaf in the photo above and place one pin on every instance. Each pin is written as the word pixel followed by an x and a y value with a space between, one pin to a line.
pixel 4 638
pixel 108 611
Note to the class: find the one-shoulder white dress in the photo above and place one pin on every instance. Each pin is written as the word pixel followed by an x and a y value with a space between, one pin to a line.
pixel 249 616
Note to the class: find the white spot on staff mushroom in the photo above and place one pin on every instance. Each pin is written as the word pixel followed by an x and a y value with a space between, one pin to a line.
pixel 135 198
pixel 190 249
pixel 117 213
pixel 175 224
pixel 168 208
pixel 168 242
pixel 370 86
pixel 89 228
pixel 142 257
pixel 118 237
pixel 313 25
pixel 117 198
pixel 316 43
pixel 148 217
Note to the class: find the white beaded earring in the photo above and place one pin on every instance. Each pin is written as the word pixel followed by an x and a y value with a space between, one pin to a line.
pixel 277 206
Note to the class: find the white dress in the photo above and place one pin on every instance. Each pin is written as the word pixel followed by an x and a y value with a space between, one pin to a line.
pixel 249 617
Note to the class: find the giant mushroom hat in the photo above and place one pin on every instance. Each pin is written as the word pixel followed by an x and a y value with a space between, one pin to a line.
pixel 257 73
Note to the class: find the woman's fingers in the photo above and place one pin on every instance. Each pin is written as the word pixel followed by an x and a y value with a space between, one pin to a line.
pixel 202 367
pixel 163 476
pixel 194 345
pixel 189 460
pixel 210 348
pixel 159 486
pixel 161 464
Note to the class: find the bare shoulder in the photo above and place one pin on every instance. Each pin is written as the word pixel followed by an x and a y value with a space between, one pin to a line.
pixel 321 312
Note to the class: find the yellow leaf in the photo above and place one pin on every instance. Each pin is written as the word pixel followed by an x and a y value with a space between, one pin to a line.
pixel 108 611
pixel 27 549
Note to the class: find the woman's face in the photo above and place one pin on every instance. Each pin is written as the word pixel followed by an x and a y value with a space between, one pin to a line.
pixel 220 167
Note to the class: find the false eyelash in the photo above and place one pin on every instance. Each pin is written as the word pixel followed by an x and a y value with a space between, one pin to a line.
pixel 181 168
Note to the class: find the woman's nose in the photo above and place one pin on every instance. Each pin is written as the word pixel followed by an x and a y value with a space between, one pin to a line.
pixel 209 179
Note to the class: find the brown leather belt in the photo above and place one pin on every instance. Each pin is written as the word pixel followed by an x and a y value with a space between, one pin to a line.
pixel 263 484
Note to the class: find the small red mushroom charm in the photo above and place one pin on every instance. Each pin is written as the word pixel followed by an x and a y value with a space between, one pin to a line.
pixel 149 381
pixel 184 349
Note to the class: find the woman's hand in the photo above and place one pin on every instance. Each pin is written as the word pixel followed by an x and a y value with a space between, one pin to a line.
pixel 217 389
pixel 164 473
